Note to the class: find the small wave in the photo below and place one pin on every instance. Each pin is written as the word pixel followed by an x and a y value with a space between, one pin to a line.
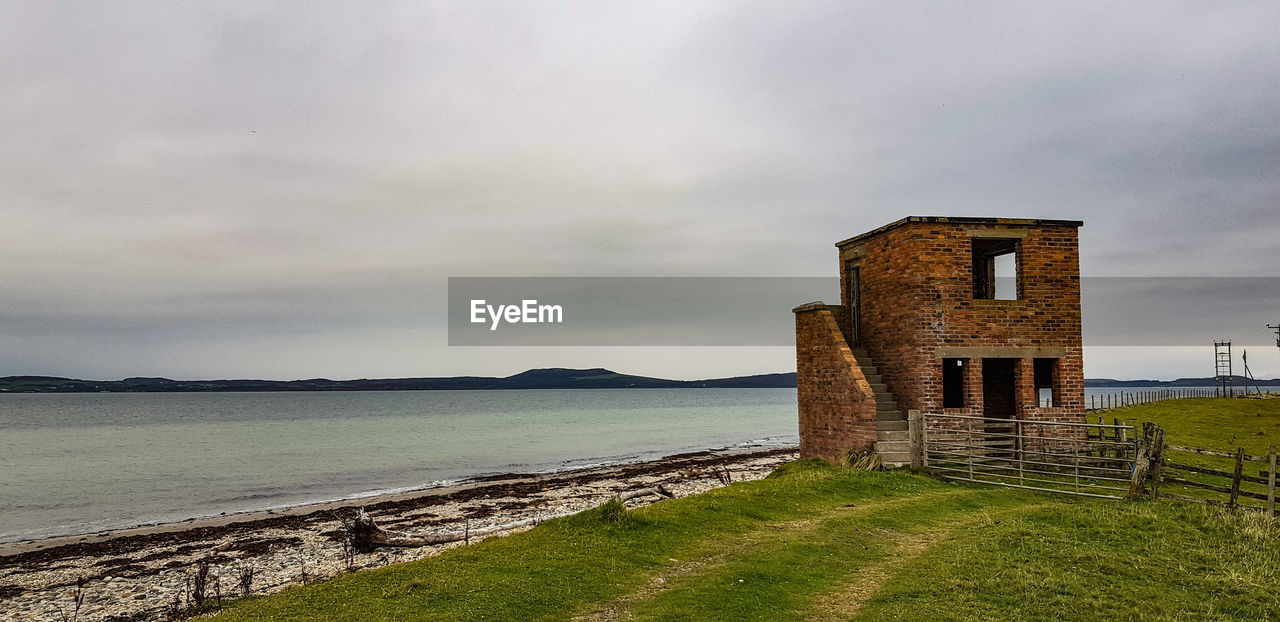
pixel 438 483
pixel 770 441
pixel 256 499
pixel 93 527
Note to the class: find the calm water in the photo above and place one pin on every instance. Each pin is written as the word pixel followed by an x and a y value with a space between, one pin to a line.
pixel 79 463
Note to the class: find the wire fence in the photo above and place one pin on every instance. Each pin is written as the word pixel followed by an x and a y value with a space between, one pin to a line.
pixel 1120 399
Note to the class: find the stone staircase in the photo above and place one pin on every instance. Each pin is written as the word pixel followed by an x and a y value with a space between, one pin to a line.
pixel 893 441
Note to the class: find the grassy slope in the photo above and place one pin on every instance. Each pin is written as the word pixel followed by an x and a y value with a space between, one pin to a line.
pixel 821 542
pixel 1209 423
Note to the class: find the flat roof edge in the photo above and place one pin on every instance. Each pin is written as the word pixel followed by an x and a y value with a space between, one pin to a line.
pixel 964 220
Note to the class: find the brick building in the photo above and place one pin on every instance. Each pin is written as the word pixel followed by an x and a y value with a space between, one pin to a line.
pixel 972 316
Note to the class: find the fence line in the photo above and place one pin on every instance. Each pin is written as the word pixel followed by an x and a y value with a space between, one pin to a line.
pixel 1120 399
pixel 1110 461
pixel 1230 483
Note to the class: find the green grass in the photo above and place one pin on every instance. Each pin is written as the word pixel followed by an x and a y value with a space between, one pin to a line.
pixel 1213 423
pixel 815 541
pixel 1094 560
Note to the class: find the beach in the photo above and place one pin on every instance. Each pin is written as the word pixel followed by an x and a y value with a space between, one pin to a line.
pixel 140 573
pixel 82 463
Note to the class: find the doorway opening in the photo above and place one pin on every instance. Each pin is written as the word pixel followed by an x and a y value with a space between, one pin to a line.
pixel 853 289
pixel 999 401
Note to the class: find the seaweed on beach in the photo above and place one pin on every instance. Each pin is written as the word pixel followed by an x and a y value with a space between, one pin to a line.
pixel 522 487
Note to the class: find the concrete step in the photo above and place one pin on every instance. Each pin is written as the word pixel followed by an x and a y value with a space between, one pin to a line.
pixel 874 379
pixel 899 436
pixel 885 398
pixel 860 353
pixel 879 387
pixel 894 459
pixel 890 415
pixel 892 425
pixel 885 406
pixel 903 445
pixel 869 370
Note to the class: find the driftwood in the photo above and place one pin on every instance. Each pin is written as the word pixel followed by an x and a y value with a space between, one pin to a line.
pixel 366 535
pixel 659 490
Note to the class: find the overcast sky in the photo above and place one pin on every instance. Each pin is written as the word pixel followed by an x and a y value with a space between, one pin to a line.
pixel 223 189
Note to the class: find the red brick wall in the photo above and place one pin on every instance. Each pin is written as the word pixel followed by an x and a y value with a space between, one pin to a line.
pixel 918 307
pixel 837 407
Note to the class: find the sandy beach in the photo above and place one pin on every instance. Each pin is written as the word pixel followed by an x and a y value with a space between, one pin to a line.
pixel 139 573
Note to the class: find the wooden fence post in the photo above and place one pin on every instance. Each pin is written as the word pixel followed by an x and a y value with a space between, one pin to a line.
pixel 1116 433
pixel 1141 461
pixel 915 432
pixel 1235 480
pixel 1271 483
pixel 1157 459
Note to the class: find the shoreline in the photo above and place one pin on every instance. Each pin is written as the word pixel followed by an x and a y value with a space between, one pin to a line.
pixel 133 573
pixel 26 545
pixel 233 519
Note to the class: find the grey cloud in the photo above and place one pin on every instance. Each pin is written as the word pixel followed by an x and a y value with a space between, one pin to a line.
pixel 219 169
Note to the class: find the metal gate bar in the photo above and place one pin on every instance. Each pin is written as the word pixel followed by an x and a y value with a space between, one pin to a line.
pixel 1064 457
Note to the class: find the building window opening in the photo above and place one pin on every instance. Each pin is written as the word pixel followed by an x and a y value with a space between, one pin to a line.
pixel 953 383
pixel 1046 393
pixel 995 268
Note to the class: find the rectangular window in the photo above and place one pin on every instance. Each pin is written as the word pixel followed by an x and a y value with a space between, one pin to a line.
pixel 995 268
pixel 1046 396
pixel 953 383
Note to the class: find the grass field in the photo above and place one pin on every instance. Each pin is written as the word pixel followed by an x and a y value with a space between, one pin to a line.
pixel 820 542
pixel 1218 424
pixel 1211 423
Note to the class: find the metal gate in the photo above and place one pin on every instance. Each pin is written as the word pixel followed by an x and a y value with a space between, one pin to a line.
pixel 1087 459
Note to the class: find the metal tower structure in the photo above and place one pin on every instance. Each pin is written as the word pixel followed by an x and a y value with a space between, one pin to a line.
pixel 1222 368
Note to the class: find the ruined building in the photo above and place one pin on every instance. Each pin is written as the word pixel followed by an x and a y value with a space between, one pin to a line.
pixel 925 324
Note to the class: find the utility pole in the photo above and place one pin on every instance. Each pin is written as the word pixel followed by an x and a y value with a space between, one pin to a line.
pixel 1248 375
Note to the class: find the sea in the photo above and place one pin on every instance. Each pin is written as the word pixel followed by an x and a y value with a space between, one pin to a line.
pixel 80 463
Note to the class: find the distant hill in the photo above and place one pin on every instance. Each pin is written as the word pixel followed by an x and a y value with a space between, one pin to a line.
pixel 1238 381
pixel 549 378
pixel 552 378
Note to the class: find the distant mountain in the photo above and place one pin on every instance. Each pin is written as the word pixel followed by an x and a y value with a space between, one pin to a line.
pixel 552 378
pixel 1238 381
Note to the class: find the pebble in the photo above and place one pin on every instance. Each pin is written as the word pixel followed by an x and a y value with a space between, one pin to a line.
pixel 321 557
